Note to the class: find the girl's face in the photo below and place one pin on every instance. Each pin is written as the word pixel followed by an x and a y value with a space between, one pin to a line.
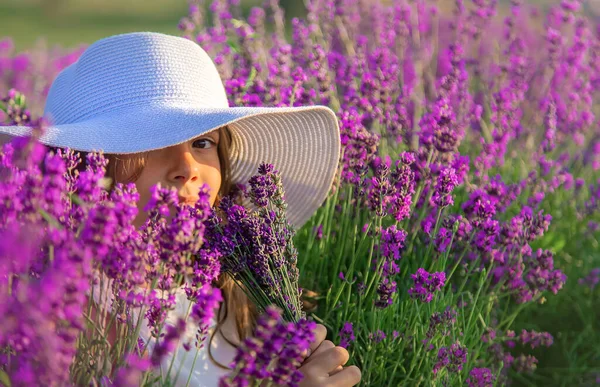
pixel 186 167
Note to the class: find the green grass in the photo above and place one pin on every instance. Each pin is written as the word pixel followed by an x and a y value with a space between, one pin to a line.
pixel 69 23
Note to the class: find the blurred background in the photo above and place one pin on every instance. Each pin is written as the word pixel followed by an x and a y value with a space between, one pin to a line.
pixel 72 22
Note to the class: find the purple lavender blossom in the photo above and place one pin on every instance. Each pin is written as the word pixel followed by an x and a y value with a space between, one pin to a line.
pixel 525 363
pixel 379 186
pixel 426 284
pixel 346 334
pixel 131 373
pixel 273 339
pixel 377 337
pixel 592 279
pixel 442 239
pixel 535 339
pixel 168 342
pixel 481 377
pixel 207 300
pixel 440 323
pixel 451 358
pixel 392 242
pixel 262 186
pixel 385 290
pixel 445 185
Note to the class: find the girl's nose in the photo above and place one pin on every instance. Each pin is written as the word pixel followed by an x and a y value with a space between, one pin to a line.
pixel 184 167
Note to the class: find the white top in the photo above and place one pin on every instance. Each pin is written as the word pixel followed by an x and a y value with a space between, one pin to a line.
pixel 205 373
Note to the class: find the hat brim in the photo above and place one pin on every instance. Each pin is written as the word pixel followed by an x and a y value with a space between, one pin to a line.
pixel 303 143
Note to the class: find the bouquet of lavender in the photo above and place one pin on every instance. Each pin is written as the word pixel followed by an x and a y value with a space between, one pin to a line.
pixel 256 245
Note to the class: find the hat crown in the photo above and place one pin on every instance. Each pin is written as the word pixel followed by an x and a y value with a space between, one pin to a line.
pixel 138 68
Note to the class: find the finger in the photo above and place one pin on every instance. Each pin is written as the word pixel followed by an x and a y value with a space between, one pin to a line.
pixel 349 376
pixel 325 345
pixel 335 371
pixel 328 360
pixel 320 334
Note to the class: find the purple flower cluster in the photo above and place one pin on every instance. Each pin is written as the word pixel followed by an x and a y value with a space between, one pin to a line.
pixel 389 190
pixel 131 374
pixel 446 182
pixel 535 339
pixel 179 238
pixel 39 334
pixel 540 277
pixel 207 301
pixel 592 279
pixel 377 337
pixel 63 232
pixel 425 284
pixel 266 186
pixel 413 85
pixel 168 341
pixel 451 358
pixel 346 335
pixel 481 377
pixel 392 241
pixel 525 363
pixel 440 323
pixel 273 354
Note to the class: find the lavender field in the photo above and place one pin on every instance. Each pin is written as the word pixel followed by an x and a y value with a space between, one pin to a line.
pixel 459 244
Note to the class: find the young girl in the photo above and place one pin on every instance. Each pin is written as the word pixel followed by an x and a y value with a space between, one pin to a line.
pixel 155 104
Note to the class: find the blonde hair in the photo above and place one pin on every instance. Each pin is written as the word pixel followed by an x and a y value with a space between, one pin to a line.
pixel 128 169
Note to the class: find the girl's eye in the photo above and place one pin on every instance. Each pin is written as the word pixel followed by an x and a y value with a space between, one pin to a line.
pixel 203 143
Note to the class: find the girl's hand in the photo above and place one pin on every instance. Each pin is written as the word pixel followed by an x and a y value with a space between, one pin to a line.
pixel 324 365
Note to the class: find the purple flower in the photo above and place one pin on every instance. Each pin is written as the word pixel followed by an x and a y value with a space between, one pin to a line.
pixel 438 127
pixel 525 363
pixel 318 232
pixel 346 335
pixel 479 207
pixel 426 284
pixel 440 323
pixel 207 300
pixel 442 239
pixel 273 339
pixel 452 358
pixel 392 242
pixel 481 377
pixel 379 186
pixel 168 342
pixel 263 186
pixel 377 337
pixel 131 373
pixel 385 290
pixel 161 199
pixel 592 279
pixel 536 339
pixel 446 182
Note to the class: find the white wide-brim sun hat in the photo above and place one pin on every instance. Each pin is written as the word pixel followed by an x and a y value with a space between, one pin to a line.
pixel 142 91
